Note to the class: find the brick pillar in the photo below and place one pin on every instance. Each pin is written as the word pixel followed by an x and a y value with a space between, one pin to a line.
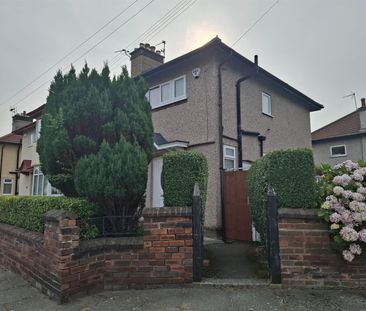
pixel 61 240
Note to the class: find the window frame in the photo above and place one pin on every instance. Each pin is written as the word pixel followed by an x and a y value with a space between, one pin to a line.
pixel 338 155
pixel 46 188
pixel 229 157
pixel 264 94
pixel 172 98
pixel 7 181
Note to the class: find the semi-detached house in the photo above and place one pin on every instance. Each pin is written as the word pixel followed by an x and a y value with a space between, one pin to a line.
pixel 215 101
pixel 212 100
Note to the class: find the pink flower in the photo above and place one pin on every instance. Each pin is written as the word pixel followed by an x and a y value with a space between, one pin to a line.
pixel 346 217
pixel 362 235
pixel 338 190
pixel 355 249
pixel 358 197
pixel 349 234
pixel 347 255
pixel 335 218
pixel 337 180
pixel 357 176
pixel 361 190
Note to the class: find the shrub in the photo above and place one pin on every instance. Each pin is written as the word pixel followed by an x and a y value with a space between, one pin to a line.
pixel 291 173
pixel 28 211
pixel 344 206
pixel 97 138
pixel 181 170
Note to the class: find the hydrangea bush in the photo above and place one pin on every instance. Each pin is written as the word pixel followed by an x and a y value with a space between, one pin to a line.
pixel 344 207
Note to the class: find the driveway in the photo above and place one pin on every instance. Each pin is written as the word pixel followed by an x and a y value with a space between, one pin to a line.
pixel 18 295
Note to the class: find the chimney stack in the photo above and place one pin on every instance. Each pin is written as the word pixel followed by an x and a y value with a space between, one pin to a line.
pixel 20 120
pixel 144 58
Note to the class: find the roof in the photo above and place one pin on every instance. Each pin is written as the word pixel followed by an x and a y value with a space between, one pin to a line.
pixel 11 139
pixel 216 43
pixel 26 167
pixel 161 143
pixel 348 125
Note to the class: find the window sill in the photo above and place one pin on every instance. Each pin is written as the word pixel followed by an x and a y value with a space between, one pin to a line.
pixel 267 115
pixel 338 156
pixel 171 104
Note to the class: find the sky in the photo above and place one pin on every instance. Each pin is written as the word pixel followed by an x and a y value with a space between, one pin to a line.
pixel 318 47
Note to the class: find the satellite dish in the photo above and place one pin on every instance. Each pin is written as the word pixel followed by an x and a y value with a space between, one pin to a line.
pixel 196 72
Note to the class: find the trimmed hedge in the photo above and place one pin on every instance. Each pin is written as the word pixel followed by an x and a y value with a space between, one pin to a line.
pixel 28 211
pixel 291 173
pixel 181 170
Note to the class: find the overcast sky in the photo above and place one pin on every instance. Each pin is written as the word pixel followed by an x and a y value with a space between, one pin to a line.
pixel 317 46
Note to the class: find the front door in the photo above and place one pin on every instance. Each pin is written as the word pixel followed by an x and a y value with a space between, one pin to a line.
pixel 157 190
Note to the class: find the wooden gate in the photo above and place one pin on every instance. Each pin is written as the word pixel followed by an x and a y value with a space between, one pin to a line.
pixel 238 221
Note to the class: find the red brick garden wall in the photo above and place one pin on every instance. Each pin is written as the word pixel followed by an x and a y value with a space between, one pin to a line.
pixel 307 258
pixel 61 265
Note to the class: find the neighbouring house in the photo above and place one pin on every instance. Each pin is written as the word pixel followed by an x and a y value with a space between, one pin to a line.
pixel 215 101
pixel 342 139
pixel 31 179
pixel 10 146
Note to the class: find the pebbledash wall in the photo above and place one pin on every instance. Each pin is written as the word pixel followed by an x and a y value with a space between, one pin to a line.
pixel 307 258
pixel 61 265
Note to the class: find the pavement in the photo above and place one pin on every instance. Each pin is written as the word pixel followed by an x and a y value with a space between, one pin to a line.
pixel 17 295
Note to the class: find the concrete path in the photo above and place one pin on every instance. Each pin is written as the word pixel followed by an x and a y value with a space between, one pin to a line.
pixel 17 295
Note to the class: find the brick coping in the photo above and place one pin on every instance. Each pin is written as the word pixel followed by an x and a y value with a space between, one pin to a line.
pixel 24 234
pixel 298 213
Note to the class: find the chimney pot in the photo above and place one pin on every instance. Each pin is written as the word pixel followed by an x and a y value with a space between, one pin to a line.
pixel 256 59
pixel 363 102
pixel 152 48
pixel 142 45
pixel 147 46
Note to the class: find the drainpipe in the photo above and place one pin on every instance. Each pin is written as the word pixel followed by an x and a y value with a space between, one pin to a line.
pixel 1 163
pixel 261 139
pixel 221 148
pixel 17 174
pixel 238 111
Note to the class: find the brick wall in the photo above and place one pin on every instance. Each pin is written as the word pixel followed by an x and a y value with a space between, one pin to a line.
pixel 307 258
pixel 61 265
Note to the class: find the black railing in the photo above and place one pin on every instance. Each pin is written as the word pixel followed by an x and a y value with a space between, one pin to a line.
pixel 109 226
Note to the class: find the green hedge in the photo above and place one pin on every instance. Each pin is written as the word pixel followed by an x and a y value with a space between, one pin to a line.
pixel 291 173
pixel 181 170
pixel 28 211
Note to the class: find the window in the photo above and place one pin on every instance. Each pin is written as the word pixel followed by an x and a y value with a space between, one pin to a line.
pixel 229 158
pixel 31 138
pixel 7 186
pixel 167 92
pixel 338 151
pixel 266 104
pixel 41 185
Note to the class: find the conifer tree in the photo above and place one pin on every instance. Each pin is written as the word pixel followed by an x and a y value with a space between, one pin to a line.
pixel 97 138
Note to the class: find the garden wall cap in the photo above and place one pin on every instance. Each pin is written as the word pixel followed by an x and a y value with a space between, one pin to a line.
pixel 298 213
pixel 59 214
pixel 167 211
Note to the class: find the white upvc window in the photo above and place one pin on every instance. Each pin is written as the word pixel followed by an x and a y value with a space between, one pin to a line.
pixel 266 104
pixel 7 186
pixel 41 185
pixel 229 158
pixel 32 137
pixel 338 151
pixel 167 92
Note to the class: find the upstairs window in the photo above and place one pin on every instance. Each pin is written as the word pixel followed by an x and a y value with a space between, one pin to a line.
pixel 167 92
pixel 338 151
pixel 229 158
pixel 266 104
pixel 7 186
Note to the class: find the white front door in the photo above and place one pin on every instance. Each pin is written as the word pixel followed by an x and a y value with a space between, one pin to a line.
pixel 157 190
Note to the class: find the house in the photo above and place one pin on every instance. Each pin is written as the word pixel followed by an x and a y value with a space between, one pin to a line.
pixel 31 179
pixel 10 146
pixel 342 139
pixel 215 101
